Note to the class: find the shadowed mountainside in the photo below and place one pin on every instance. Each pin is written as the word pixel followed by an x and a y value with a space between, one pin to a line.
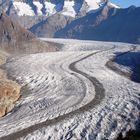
pixel 132 61
pixel 109 24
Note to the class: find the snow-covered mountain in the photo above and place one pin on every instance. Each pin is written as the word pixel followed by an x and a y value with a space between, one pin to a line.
pixel 31 12
pixel 80 19
pixel 109 24
pixel 49 7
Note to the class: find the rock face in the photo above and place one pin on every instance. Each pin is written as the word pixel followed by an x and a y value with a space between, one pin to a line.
pixel 9 90
pixel 12 31
pixel 12 34
pixel 9 94
pixel 16 39
pixel 48 27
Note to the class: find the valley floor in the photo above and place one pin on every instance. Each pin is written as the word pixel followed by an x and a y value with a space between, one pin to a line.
pixel 72 94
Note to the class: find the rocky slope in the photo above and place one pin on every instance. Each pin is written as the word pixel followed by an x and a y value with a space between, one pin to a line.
pixel 80 19
pixel 11 33
pixel 16 39
pixel 109 24
pixel 9 90
pixel 9 94
pixel 40 16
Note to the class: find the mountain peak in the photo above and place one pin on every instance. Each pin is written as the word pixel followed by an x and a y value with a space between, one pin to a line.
pixel 50 7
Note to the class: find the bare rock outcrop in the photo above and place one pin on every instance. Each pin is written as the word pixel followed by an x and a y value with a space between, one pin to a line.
pixel 9 90
pixel 12 34
pixel 15 39
pixel 9 94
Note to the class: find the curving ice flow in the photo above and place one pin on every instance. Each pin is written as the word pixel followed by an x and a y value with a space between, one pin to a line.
pixel 71 94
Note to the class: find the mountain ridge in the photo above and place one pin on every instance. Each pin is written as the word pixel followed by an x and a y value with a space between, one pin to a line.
pixel 36 10
pixel 49 7
pixel 109 24
pixel 86 19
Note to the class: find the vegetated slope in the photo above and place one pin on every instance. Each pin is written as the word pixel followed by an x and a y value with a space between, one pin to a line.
pixel 16 39
pixel 109 24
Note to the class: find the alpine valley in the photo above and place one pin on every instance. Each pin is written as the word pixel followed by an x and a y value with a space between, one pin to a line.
pixel 69 70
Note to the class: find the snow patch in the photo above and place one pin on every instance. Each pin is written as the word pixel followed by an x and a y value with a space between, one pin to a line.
pixel 39 7
pixel 23 9
pixel 50 8
pixel 93 4
pixel 114 5
pixel 68 9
